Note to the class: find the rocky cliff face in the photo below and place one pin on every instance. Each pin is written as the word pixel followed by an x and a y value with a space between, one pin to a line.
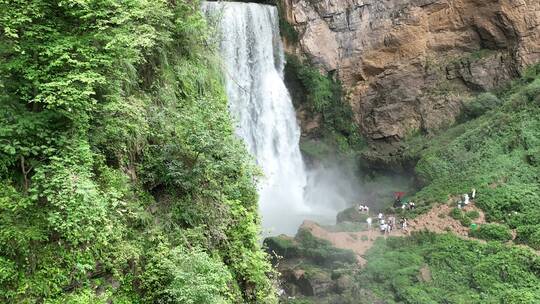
pixel 408 65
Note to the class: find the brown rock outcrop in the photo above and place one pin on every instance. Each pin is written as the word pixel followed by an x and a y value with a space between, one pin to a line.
pixel 408 65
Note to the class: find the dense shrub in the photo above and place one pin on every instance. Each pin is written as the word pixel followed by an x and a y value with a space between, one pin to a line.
pixel 181 276
pixel 532 91
pixel 530 235
pixel 473 214
pixel 465 221
pixel 119 166
pixel 492 232
pixel 461 271
pixel 456 214
pixel 482 103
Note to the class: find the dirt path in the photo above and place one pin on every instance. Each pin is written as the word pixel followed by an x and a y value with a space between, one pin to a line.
pixel 436 220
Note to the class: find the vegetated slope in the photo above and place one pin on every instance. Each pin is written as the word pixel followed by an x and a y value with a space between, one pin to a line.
pixel 497 153
pixel 120 176
pixel 442 268
pixel 494 150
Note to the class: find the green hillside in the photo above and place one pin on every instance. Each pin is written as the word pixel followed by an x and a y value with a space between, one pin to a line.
pixel 121 180
pixel 430 268
pixel 495 150
pixel 497 153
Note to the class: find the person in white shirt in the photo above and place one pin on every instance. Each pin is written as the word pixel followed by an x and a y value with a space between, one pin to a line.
pixel 368 220
pixel 404 225
pixel 383 228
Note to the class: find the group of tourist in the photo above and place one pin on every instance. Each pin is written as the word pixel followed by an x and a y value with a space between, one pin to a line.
pixel 400 203
pixel 387 224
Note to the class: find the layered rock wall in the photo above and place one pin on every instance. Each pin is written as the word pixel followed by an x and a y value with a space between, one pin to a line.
pixel 408 65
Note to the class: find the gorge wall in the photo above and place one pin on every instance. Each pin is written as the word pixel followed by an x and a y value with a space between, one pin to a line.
pixel 409 65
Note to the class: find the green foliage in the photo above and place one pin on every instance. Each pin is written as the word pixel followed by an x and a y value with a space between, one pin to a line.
pixel 530 235
pixel 473 214
pixel 492 232
pixel 119 167
pixel 456 214
pixel 351 215
pixel 463 218
pixel 465 221
pixel 460 271
pixel 322 95
pixel 180 276
pixel 481 104
pixel 82 296
pixel 496 153
pixel 321 90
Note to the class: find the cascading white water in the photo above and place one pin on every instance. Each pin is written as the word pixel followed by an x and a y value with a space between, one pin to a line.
pixel 260 103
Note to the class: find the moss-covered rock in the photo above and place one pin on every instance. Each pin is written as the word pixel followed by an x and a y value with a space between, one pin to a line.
pixel 351 215
pixel 283 245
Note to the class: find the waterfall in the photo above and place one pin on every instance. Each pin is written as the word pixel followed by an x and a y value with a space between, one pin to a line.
pixel 260 104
